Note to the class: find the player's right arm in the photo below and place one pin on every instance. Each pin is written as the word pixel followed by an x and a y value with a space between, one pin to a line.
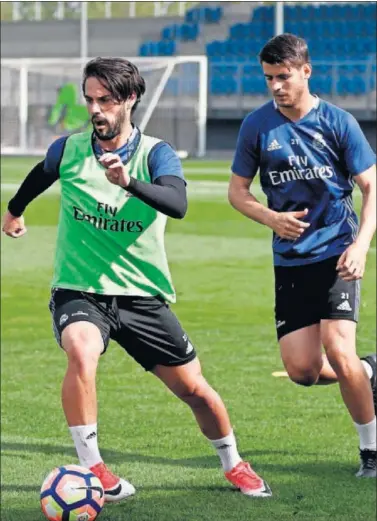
pixel 245 166
pixel 38 180
pixel 286 225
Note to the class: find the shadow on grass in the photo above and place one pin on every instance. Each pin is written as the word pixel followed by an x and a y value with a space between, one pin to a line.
pixel 213 503
pixel 111 456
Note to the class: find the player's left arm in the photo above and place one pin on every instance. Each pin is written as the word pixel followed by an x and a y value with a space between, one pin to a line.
pixel 351 264
pixel 166 193
pixel 360 162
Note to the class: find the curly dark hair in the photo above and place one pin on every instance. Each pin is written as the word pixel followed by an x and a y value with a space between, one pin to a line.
pixel 118 75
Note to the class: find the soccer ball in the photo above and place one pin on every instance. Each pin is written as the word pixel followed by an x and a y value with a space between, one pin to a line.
pixel 72 493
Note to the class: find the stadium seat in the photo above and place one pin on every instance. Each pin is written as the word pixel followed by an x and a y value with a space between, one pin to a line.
pixel 223 85
pixel 165 48
pixel 204 15
pixel 343 34
pixel 343 86
pixel 358 85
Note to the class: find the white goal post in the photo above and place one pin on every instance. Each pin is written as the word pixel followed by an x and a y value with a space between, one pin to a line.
pixel 41 99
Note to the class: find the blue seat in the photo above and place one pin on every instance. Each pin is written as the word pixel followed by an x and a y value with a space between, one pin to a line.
pixel 253 85
pixel 247 85
pixel 166 48
pixel 233 46
pixel 360 10
pixel 216 85
pixel 255 30
pixel 224 70
pixel 153 49
pixel 289 13
pixel 348 12
pixel 321 84
pixel 343 86
pixel 169 32
pixel 211 49
pixel 371 11
pixel 256 14
pixel 236 31
pixel 243 47
pixel 213 15
pixel 361 68
pixel 230 86
pixel 323 69
pixel 260 85
pixel 188 32
pixel 346 70
pixel 370 45
pixel 370 28
pixel 148 49
pixel 263 14
pixel 358 85
pixel 372 82
pixel 144 49
pixel 251 69
pixel 334 13
pixel 216 58
pixel 195 15
pixel 217 47
pixel 304 13
pixel 326 29
pixel 342 29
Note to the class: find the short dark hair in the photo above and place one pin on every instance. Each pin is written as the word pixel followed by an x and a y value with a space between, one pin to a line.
pixel 287 49
pixel 119 76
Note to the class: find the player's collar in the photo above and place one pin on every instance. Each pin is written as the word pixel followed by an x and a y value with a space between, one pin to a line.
pixel 126 151
pixel 135 136
pixel 315 103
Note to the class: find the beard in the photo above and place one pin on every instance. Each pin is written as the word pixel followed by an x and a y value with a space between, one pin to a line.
pixel 108 131
pixel 292 99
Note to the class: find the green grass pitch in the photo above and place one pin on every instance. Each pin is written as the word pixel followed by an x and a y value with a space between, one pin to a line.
pixel 301 440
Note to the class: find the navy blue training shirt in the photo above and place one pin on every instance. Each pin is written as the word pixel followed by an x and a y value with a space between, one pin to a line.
pixel 310 163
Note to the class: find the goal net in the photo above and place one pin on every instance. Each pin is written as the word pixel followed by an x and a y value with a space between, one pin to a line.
pixel 41 99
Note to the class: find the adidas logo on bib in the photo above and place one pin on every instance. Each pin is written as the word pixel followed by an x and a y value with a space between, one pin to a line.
pixel 344 306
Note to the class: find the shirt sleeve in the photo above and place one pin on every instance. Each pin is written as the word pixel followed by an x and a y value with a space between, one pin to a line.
pixel 246 158
pixel 357 152
pixel 167 194
pixel 39 179
pixel 163 160
pixel 54 156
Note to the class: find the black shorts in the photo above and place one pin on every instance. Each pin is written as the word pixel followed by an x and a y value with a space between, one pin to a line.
pixel 304 295
pixel 144 326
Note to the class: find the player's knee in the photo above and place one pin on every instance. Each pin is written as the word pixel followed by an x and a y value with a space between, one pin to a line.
pixel 195 394
pixel 306 378
pixel 82 352
pixel 341 359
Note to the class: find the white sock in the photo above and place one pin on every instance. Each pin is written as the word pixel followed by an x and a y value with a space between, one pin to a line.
pixel 368 368
pixel 367 433
pixel 86 443
pixel 226 448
